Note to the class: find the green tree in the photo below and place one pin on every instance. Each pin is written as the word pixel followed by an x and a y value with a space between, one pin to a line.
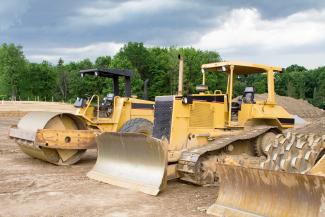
pixel 12 68
pixel 295 68
pixel 319 87
pixel 103 62
pixel 138 56
pixel 62 79
pixel 40 81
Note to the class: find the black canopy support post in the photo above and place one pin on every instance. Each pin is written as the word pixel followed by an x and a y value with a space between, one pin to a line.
pixel 127 86
pixel 116 86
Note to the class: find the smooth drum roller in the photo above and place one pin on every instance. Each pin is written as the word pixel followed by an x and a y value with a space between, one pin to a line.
pixel 31 125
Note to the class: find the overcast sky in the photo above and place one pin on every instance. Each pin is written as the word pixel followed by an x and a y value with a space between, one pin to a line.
pixel 275 32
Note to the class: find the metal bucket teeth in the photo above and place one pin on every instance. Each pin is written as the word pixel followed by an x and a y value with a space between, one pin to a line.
pixel 255 192
pixel 131 160
pixel 25 132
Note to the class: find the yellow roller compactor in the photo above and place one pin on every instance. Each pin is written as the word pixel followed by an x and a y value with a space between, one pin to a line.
pixel 193 133
pixel 62 138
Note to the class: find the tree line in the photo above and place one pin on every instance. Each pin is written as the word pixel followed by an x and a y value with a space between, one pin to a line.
pixel 23 80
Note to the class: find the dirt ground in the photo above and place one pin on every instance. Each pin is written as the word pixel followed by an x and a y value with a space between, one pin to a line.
pixel 30 187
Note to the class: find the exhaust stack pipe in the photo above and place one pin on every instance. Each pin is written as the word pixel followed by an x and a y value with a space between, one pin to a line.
pixel 180 75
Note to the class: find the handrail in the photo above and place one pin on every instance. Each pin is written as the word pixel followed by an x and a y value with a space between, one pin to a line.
pixel 89 103
pixel 215 92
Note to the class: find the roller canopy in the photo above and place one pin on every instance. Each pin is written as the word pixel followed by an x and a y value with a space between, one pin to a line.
pixel 106 72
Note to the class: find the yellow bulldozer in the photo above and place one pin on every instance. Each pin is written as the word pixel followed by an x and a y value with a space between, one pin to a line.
pixel 191 133
pixel 210 138
pixel 62 138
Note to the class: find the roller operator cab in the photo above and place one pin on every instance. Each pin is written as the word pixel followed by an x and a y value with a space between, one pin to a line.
pixel 114 109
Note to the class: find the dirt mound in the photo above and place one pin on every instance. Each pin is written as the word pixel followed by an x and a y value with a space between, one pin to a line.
pixel 296 106
pixel 315 117
pixel 20 108
pixel 314 125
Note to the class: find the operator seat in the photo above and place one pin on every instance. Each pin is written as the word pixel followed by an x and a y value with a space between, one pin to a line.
pixel 108 100
pixel 106 107
pixel 248 96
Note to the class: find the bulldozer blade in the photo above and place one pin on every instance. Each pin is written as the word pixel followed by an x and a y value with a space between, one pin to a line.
pixel 256 192
pixel 131 160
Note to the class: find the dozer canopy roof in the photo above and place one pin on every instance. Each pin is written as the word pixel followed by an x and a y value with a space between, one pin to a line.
pixel 240 67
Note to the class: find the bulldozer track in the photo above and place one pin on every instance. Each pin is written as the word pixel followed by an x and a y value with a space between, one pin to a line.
pixel 294 152
pixel 190 165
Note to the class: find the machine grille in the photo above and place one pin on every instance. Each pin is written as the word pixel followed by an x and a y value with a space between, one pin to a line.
pixel 163 117
pixel 201 115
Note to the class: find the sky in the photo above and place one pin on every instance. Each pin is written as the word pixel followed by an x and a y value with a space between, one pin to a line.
pixel 276 32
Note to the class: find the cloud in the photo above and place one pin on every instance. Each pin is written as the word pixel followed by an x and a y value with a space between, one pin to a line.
pixel 246 29
pixel 11 11
pixel 240 29
pixel 69 54
pixel 244 34
pixel 107 13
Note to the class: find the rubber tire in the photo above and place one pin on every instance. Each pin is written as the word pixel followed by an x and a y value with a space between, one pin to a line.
pixel 138 125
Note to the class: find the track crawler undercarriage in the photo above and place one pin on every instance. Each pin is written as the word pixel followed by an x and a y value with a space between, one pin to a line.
pixel 62 138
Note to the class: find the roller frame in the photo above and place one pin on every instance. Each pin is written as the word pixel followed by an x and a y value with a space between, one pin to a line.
pixel 57 139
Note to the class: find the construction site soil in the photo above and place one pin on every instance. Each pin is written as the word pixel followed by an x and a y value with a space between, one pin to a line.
pixel 30 187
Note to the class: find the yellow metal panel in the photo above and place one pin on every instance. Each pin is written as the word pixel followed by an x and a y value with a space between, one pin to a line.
pixel 180 125
pixel 142 113
pixel 245 113
pixel 201 115
pixel 125 114
pixel 262 111
pixel 270 87
pixel 66 139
